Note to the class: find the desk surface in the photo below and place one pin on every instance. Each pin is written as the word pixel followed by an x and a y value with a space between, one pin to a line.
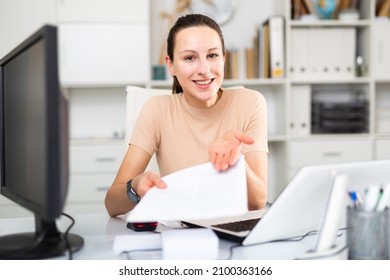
pixel 100 230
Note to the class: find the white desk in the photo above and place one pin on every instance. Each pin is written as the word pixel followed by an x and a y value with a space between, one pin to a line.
pixel 99 231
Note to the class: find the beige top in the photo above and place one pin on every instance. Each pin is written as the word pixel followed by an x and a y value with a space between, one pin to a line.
pixel 180 135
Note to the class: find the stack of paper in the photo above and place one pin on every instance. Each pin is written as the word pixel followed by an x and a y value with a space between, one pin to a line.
pixel 199 192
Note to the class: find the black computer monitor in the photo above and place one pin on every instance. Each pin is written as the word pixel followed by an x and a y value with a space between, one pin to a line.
pixel 34 146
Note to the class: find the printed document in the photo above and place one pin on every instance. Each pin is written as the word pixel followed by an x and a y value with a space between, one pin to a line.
pixel 199 192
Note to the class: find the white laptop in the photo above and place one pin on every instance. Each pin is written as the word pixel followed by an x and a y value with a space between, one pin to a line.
pixel 300 207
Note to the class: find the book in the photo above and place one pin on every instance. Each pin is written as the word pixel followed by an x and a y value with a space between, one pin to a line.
pixel 301 7
pixel 296 9
pixel 232 64
pixel 227 73
pixel 250 63
pixel 264 54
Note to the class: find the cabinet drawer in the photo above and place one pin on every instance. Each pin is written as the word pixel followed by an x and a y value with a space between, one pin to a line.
pixel 89 187
pixel 382 149
pixel 95 158
pixel 331 151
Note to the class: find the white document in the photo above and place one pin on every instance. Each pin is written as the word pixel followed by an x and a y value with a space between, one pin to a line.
pixel 299 54
pixel 348 50
pixel 331 53
pixel 199 192
pixel 301 109
pixel 276 37
pixel 381 55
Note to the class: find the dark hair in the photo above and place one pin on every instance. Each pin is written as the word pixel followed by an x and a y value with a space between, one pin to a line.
pixel 186 21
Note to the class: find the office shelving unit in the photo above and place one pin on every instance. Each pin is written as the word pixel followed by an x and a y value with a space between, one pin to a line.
pixel 289 147
pixel 292 143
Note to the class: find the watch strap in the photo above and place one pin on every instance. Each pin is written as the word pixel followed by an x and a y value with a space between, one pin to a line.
pixel 133 196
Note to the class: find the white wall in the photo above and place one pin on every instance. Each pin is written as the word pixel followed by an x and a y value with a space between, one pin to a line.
pixel 20 18
pixel 238 32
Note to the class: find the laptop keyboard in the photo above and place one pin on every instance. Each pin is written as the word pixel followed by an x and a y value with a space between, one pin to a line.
pixel 239 225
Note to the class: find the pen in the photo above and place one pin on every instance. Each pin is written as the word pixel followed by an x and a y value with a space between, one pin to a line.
pixel 371 198
pixel 384 198
pixel 354 197
pixel 379 198
pixel 360 198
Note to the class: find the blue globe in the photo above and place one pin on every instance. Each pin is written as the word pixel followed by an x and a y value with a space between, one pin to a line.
pixel 325 8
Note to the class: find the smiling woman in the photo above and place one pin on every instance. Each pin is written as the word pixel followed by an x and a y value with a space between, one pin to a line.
pixel 198 63
pixel 215 125
pixel 184 44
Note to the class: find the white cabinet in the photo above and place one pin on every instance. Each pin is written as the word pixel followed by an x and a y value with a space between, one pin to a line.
pixel 360 38
pixel 95 156
pixel 93 54
pixel 89 188
pixel 381 46
pixel 101 42
pixel 93 166
pixel 382 108
pixel 107 11
pixel 325 151
pixel 382 149
pixel 103 47
pixel 322 52
pixel 300 119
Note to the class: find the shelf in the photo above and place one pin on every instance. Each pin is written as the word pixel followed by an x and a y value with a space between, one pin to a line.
pixel 168 83
pixel 96 141
pixel 160 83
pixel 382 81
pixel 277 138
pixel 254 82
pixel 315 137
pixel 101 85
pixel 329 23
pixel 382 135
pixel 226 83
pixel 359 80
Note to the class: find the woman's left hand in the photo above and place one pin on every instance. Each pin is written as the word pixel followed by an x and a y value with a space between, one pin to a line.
pixel 225 151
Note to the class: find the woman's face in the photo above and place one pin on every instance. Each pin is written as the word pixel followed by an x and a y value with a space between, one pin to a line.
pixel 198 65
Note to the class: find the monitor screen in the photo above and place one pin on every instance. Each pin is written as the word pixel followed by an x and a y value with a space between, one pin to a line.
pixel 34 145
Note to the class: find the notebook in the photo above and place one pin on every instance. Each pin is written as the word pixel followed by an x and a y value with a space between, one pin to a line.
pixel 300 207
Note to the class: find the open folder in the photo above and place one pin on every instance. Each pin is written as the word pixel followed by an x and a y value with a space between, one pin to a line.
pixel 199 192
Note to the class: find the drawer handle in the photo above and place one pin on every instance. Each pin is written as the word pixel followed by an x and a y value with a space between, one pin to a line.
pixel 332 154
pixel 104 159
pixel 102 188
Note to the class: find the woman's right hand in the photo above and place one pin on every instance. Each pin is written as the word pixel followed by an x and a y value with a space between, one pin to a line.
pixel 133 167
pixel 145 181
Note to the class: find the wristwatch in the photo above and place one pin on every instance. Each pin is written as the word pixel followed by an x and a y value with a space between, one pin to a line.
pixel 133 196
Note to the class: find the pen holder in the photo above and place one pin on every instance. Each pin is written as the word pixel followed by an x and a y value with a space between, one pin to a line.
pixel 368 234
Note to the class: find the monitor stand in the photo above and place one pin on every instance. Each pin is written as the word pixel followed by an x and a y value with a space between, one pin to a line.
pixel 45 242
